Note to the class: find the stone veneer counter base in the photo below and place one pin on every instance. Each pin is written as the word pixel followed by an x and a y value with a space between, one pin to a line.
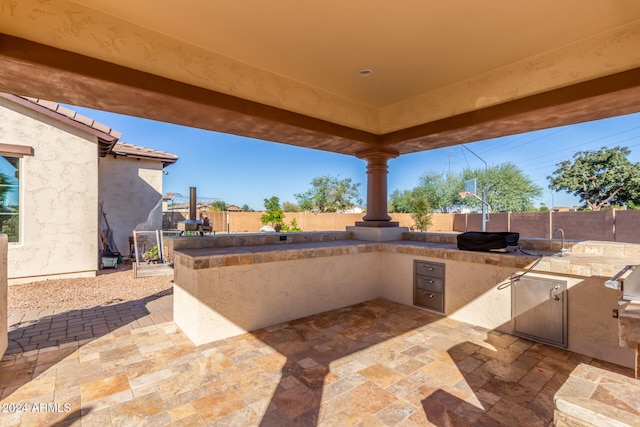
pixel 224 290
pixel 578 264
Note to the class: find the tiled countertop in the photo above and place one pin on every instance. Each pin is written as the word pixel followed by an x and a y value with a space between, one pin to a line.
pixel 241 255
pixel 596 397
pixel 584 265
pixel 582 261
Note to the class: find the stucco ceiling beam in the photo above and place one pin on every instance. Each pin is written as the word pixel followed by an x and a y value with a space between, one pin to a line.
pixel 32 69
pixel 604 97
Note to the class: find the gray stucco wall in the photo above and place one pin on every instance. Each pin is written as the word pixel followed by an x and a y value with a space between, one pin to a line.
pixel 131 193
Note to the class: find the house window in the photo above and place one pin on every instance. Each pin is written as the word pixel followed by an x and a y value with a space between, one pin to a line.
pixel 10 197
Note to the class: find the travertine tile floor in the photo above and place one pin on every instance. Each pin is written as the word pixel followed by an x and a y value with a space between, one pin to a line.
pixel 373 364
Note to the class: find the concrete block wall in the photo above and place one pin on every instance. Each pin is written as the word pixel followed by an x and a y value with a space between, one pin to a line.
pixel 607 225
pixel 498 222
pixel 626 226
pixel 586 225
pixel 249 222
pixel 531 224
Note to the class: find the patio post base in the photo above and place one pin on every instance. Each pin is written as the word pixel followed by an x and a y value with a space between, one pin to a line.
pixel 377 224
pixel 377 234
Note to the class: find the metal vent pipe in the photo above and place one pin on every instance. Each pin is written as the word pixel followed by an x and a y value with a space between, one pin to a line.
pixel 192 203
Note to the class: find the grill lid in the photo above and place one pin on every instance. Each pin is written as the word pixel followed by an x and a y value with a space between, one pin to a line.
pixel 486 241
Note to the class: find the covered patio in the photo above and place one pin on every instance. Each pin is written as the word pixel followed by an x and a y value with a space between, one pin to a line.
pixel 365 80
pixel 377 363
pixel 357 78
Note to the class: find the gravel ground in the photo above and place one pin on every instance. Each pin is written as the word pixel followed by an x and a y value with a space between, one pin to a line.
pixel 109 286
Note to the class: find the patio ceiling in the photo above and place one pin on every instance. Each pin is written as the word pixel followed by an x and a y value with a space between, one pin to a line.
pixel 443 73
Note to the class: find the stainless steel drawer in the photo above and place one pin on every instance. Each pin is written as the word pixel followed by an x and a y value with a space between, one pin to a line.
pixel 429 269
pixel 428 299
pixel 429 283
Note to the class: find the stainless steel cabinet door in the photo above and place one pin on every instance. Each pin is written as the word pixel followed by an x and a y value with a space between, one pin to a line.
pixel 539 310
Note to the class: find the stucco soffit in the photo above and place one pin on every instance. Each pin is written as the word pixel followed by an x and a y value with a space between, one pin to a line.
pixel 75 28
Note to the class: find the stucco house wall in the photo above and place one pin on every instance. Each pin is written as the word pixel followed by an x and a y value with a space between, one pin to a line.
pixel 61 179
pixel 130 191
pixel 69 166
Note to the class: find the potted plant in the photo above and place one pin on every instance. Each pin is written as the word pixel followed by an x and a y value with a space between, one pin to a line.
pixel 151 255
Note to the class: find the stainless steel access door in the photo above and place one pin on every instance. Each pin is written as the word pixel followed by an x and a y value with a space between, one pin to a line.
pixel 539 310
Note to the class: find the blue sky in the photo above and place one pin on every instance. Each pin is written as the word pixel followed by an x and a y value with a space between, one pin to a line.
pixel 241 170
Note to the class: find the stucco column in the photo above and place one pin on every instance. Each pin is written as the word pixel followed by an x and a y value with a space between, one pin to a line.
pixel 377 171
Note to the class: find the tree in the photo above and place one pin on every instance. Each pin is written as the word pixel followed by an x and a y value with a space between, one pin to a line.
pixel 599 177
pixel 218 206
pixel 400 201
pixel 290 207
pixel 510 190
pixel 414 201
pixel 442 192
pixel 421 213
pixel 6 185
pixel 8 223
pixel 634 206
pixel 329 194
pixel 293 227
pixel 274 216
pixel 246 208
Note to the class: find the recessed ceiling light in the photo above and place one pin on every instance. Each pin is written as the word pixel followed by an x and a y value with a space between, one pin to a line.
pixel 365 72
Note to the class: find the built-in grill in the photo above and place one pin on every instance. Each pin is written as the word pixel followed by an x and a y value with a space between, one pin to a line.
pixel 628 281
pixel 192 224
pixel 487 241
pixel 189 225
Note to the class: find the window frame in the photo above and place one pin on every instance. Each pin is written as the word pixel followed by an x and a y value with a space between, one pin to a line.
pixel 18 152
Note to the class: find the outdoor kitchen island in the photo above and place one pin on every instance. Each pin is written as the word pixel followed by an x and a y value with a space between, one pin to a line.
pixel 228 285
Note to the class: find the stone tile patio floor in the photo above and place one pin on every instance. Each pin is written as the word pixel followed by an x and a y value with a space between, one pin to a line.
pixel 372 364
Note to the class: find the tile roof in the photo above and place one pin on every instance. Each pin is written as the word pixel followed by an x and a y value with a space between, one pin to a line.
pixel 107 136
pixel 135 151
pixel 54 106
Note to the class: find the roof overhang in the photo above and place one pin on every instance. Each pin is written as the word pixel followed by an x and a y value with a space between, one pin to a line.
pixel 106 136
pixel 136 152
pixel 440 77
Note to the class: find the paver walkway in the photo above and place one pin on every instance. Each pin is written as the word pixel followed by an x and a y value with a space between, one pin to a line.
pixel 43 329
pixel 372 364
